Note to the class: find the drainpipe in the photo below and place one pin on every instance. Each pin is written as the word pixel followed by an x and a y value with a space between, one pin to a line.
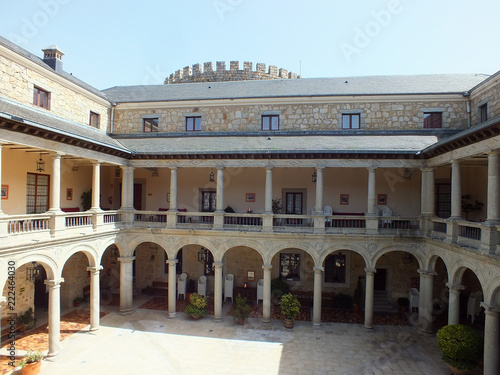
pixel 469 113
pixel 113 105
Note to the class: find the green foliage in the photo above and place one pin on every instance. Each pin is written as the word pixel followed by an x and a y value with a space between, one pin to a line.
pixel 461 346
pixel 342 301
pixel 469 206
pixel 278 288
pixel 197 305
pixel 86 198
pixel 403 301
pixel 277 206
pixel 241 309
pixel 27 319
pixel 290 305
pixel 77 301
pixel 31 357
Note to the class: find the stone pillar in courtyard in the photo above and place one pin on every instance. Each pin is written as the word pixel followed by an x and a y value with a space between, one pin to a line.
pixel 220 190
pixel 456 191
pixel 96 186
pixel 95 299
pixel 172 287
pixel 371 192
pixel 173 189
pixel 55 183
pixel 266 303
pixel 318 277
pixel 425 301
pixel 127 188
pixel 491 339
pixel 218 291
pixel 54 287
pixel 493 201
pixel 370 279
pixel 454 303
pixel 126 285
pixel 1 212
pixel 319 191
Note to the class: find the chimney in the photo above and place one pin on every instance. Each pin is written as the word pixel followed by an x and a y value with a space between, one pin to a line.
pixel 52 56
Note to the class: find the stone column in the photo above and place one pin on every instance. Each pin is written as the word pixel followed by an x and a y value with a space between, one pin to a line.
pixel 219 204
pixel 456 191
pixel 268 204
pixel 54 287
pixel 172 287
pixel 423 192
pixel 454 303
pixel 96 186
pixel 370 278
pixel 1 212
pixel 95 299
pixel 493 201
pixel 55 188
pixel 425 301
pixel 318 278
pixel 491 340
pixel 431 204
pixel 126 285
pixel 319 190
pixel 371 192
pixel 173 189
pixel 218 291
pixel 266 303
pixel 127 188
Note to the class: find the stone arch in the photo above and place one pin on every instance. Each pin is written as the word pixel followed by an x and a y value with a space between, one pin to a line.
pixel 492 293
pixel 201 241
pixel 89 251
pixel 291 245
pixel 254 245
pixel 457 271
pixel 413 250
pixel 103 247
pixel 347 247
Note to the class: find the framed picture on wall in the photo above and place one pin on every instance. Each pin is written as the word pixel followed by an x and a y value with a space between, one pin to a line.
pixel 382 199
pixel 251 275
pixel 250 197
pixel 344 199
pixel 5 191
pixel 69 194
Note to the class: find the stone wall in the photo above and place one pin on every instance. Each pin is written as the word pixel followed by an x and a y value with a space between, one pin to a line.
pixel 76 277
pixel 24 294
pixel 194 73
pixel 491 96
pixel 295 117
pixel 18 81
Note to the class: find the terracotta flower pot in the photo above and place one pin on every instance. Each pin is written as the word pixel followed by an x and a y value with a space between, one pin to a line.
pixel 31 368
pixel 456 371
pixel 288 323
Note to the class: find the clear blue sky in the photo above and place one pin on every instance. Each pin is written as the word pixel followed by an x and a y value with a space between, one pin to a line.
pixel 110 43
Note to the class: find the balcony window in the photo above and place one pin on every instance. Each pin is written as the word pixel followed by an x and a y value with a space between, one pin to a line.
pixel 37 193
pixel 193 123
pixel 350 121
pixel 41 98
pixel 150 125
pixel 433 120
pixel 270 122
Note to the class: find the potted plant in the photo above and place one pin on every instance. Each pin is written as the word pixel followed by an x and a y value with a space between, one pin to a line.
pixel 290 308
pixel 77 301
pixel 403 303
pixel 86 198
pixel 241 310
pixel 358 296
pixel 197 306
pixel 461 347
pixel 31 362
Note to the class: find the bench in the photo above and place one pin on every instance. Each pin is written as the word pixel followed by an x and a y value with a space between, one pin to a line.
pixel 160 288
pixel 7 326
pixel 70 209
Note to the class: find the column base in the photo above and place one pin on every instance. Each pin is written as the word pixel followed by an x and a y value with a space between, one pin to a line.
pixel 316 325
pixel 266 321
pixel 368 327
pixel 126 312
pixel 93 330
pixel 52 355
pixel 425 330
pixel 217 320
pixel 172 315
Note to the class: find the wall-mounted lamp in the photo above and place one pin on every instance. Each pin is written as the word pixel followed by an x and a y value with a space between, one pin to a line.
pixel 314 177
pixel 40 164
pixel 32 272
pixel 212 176
pixel 203 256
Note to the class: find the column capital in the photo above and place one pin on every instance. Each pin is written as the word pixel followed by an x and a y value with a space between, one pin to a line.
pixel 171 262
pixel 56 154
pixel 490 153
pixel 427 273
pixel 173 168
pixel 126 259
pixel 455 287
pixel 96 162
pixel 218 264
pixel 267 266
pixel 370 271
pixel 219 168
pixel 269 169
pixel 371 169
pixel 56 283
pixel 490 309
pixel 318 269
pixel 427 169
pixel 94 269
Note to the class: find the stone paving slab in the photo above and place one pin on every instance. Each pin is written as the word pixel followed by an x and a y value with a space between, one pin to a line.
pixel 147 342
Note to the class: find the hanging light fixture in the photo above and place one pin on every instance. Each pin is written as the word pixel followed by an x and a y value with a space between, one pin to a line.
pixel 314 177
pixel 212 176
pixel 32 272
pixel 40 164
pixel 203 255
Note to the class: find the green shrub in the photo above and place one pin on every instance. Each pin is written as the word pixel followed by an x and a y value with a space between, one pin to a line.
pixel 278 287
pixel 290 306
pixel 197 305
pixel 242 309
pixel 27 319
pixel 461 346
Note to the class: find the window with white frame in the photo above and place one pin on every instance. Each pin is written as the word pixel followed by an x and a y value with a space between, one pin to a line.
pixel 193 123
pixel 351 120
pixel 270 122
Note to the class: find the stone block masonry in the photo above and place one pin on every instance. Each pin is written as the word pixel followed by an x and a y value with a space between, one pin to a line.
pixel 194 73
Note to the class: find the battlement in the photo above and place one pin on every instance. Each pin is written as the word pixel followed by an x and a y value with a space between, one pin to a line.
pixel 194 73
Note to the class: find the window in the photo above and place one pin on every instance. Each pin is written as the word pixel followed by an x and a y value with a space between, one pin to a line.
pixel 432 120
pixel 37 193
pixel 350 121
pixel 193 123
pixel 270 122
pixel 290 266
pixel 150 125
pixel 208 201
pixel 483 112
pixel 335 268
pixel 294 203
pixel 41 98
pixel 95 119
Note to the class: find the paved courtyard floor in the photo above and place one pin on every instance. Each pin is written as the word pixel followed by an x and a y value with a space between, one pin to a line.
pixel 147 342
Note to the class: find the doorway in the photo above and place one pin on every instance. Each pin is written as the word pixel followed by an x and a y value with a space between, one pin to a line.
pixel 380 280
